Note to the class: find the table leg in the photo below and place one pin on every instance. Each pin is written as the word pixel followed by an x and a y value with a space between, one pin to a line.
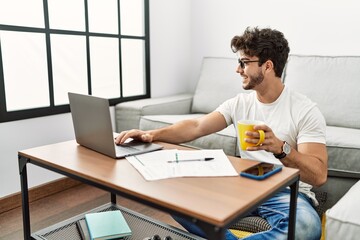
pixel 293 202
pixel 113 198
pixel 25 197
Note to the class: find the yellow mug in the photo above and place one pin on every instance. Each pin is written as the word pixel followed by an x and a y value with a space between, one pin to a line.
pixel 248 125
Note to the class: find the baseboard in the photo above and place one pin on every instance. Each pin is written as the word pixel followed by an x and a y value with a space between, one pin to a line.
pixel 14 200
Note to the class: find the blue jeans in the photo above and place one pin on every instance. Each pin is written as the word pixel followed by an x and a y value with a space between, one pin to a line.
pixel 276 212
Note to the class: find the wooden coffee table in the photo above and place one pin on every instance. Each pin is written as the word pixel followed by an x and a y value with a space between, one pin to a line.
pixel 213 203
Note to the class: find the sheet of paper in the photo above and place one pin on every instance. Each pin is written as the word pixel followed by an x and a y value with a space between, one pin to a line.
pixel 156 165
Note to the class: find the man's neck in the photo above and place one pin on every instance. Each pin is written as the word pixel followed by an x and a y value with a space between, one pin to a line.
pixel 270 91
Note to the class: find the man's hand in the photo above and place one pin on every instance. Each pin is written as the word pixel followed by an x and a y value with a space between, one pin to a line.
pixel 134 134
pixel 270 144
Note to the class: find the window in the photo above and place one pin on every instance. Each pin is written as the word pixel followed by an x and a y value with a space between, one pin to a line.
pixel 49 48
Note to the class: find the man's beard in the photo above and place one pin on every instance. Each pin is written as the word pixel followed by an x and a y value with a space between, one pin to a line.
pixel 254 81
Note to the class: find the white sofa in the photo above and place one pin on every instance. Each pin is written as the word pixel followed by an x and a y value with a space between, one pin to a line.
pixel 343 219
pixel 332 82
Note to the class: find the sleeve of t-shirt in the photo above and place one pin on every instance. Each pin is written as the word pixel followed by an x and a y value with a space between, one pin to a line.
pixel 312 127
pixel 226 110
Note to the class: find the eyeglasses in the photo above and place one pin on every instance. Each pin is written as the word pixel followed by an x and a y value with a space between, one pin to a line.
pixel 243 62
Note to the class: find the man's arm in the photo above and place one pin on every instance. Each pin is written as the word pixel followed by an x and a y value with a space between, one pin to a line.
pixel 311 159
pixel 180 132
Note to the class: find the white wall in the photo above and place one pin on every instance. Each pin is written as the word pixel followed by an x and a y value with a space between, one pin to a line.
pixel 181 33
pixel 170 39
pixel 19 135
pixel 322 27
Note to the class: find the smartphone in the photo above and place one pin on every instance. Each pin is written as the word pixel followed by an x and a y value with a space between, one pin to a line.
pixel 261 171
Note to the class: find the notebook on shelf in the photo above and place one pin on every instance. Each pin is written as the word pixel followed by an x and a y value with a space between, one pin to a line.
pixel 107 225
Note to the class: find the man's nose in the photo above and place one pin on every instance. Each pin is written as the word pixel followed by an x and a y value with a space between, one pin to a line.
pixel 239 69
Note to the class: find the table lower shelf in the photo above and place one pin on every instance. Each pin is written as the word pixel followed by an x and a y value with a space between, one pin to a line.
pixel 142 227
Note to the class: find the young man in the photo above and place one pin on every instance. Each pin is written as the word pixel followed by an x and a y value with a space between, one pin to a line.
pixel 294 131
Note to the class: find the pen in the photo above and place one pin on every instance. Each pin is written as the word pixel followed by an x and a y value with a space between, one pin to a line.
pixel 190 160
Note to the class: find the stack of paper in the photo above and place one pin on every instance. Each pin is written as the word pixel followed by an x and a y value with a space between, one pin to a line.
pixel 175 163
pixel 107 225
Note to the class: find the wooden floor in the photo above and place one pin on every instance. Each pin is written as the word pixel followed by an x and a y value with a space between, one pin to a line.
pixel 66 204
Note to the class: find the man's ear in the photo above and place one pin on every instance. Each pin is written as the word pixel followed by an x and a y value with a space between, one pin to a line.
pixel 269 65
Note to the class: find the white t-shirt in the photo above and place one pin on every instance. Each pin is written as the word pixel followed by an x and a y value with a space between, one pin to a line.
pixel 293 118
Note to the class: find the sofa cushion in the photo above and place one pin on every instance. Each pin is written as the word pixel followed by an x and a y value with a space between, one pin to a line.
pixel 332 82
pixel 218 82
pixel 224 139
pixel 343 219
pixel 343 145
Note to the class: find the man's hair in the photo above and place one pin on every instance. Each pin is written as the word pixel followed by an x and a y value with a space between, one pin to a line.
pixel 267 44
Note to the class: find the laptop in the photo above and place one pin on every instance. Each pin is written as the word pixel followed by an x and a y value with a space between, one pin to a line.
pixel 93 128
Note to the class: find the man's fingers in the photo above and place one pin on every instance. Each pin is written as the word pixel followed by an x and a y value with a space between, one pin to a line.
pixel 134 134
pixel 121 138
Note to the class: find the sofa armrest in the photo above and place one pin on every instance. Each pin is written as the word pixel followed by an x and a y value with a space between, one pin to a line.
pixel 128 114
pixel 343 174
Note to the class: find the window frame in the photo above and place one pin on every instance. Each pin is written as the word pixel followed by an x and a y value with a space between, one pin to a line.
pixel 52 109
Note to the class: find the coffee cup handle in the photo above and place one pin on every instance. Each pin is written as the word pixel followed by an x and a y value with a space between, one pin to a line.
pixel 262 137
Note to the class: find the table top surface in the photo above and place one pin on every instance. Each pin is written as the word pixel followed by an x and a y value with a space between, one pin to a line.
pixel 215 200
